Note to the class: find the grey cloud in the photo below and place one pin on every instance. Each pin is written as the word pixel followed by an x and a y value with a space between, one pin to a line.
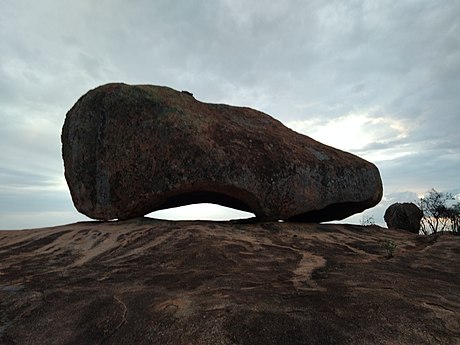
pixel 35 202
pixel 380 145
pixel 15 178
pixel 295 60
pixel 421 171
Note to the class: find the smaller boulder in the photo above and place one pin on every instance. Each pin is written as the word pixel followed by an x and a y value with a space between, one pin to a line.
pixel 406 216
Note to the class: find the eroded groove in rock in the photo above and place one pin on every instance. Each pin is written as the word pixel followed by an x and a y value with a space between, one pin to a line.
pixel 131 150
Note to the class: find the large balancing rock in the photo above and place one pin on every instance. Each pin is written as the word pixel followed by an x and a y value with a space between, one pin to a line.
pixel 131 150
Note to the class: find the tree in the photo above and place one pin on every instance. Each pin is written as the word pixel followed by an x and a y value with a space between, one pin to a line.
pixel 435 211
pixel 453 213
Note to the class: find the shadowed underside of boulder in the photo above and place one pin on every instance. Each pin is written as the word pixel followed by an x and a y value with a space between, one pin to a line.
pixel 131 150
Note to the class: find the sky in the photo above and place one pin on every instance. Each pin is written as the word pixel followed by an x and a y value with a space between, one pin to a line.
pixel 380 79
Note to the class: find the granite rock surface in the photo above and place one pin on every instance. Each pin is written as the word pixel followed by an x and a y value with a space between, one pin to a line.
pixel 143 281
pixel 131 150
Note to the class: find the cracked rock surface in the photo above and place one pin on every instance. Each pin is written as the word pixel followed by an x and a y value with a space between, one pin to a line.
pixel 130 150
pixel 144 281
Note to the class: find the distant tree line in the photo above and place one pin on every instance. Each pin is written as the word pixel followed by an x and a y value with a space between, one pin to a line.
pixel 438 215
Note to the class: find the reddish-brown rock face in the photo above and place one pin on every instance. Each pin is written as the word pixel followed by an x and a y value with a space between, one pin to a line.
pixel 131 150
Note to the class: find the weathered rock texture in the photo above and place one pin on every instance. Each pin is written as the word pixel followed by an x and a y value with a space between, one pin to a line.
pixel 178 283
pixel 406 216
pixel 131 150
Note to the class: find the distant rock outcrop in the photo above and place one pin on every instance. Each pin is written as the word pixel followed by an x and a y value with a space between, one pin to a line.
pixel 406 216
pixel 131 150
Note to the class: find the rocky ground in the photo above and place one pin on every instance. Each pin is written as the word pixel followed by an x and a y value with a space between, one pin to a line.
pixel 145 281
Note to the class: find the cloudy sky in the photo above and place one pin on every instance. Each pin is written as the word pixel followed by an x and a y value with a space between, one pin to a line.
pixel 380 79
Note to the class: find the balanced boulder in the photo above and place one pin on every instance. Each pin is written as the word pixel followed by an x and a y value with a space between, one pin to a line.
pixel 406 216
pixel 131 150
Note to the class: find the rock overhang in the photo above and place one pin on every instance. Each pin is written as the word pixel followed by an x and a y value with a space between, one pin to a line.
pixel 131 150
